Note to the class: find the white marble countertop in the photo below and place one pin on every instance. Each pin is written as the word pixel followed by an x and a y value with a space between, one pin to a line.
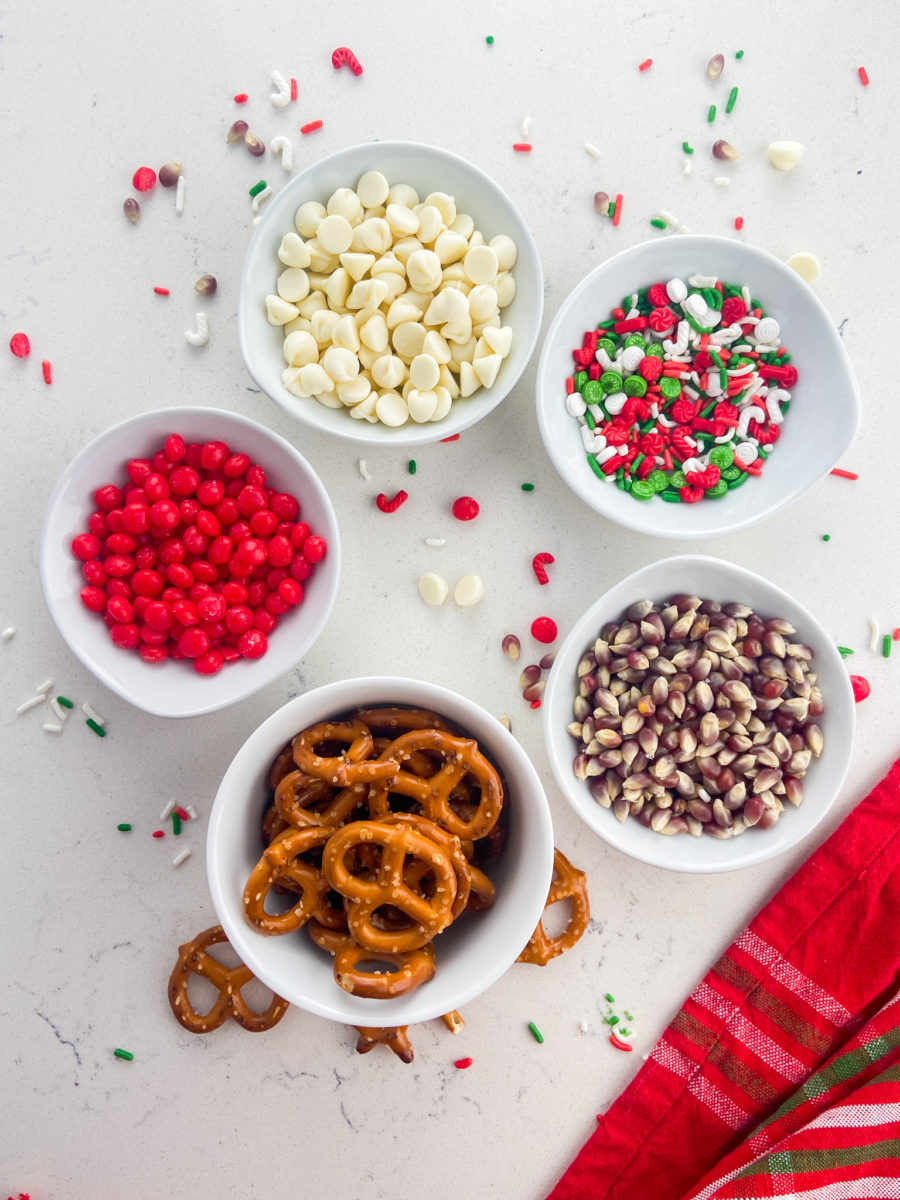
pixel 92 918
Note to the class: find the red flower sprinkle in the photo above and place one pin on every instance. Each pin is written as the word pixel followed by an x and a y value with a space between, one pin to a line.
pixel 20 345
pixel 241 98
pixel 543 629
pixel 389 506
pixel 462 1063
pixel 310 127
pixel 143 179
pixel 343 55
pixel 539 568
pixel 861 687
pixel 465 508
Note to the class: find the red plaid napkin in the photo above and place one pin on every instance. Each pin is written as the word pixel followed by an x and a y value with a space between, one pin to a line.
pixel 780 1075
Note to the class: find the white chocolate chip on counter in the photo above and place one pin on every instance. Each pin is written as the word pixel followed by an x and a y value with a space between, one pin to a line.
pixel 806 265
pixel 468 591
pixel 433 589
pixel 784 155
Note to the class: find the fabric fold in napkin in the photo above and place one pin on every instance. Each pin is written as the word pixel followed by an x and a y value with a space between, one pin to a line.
pixel 780 1074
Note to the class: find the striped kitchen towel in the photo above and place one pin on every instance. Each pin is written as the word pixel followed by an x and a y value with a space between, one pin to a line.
pixel 780 1074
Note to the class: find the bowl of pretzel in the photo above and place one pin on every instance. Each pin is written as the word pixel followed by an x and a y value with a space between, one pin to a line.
pixel 380 851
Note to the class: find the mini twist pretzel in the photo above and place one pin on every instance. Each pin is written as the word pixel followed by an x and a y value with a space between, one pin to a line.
pixel 451 844
pixel 460 757
pixel 568 883
pixel 228 981
pixel 280 863
pixel 393 1037
pixel 304 801
pixel 353 766
pixel 427 915
pixel 399 720
pixel 412 968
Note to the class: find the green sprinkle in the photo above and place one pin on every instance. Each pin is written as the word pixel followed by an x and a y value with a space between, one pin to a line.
pixel 611 382
pixel 657 223
pixel 258 187
pixel 126 1054
pixel 642 490
pixel 609 999
pixel 741 479
pixel 589 420
pixel 670 496
pixel 711 115
pixel 826 537
pixel 490 39
pixel 595 466
pixel 658 480
pixel 98 729
pixel 64 702
pixel 613 1020
pixel 677 479
pixel 624 1033
pixel 738 54
pixel 732 98
pixel 628 1017
pixel 411 466
pixel 635 386
pixel 535 1032
pixel 124 827
pixel 718 489
pixel 581 378
pixel 886 645
pixel 844 651
pixel 686 148
pixel 611 209
pixel 176 824
pixel 527 487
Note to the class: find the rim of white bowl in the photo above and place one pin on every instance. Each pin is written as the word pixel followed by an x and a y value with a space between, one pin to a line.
pixel 409 434
pixel 662 852
pixel 326 700
pixel 636 520
pixel 46 566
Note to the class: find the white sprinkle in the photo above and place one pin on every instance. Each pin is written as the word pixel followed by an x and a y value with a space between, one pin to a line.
pixel 281 98
pixel 592 149
pixel 7 633
pixel 526 127
pixel 52 727
pixel 363 469
pixel 181 857
pixel 167 811
pixel 44 687
pixel 179 195
pixel 94 716
pixel 281 145
pixel 721 181
pixel 201 337
pixel 259 197
pixel 27 704
pixel 873 634
pixel 58 711
pixel 583 1027
pixel 192 812
pixel 667 217
pixel 435 541
pixel 687 166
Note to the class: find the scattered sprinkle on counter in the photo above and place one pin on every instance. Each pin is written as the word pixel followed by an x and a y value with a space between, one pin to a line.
pixel 126 1054
pixel 462 1064
pixel 536 1033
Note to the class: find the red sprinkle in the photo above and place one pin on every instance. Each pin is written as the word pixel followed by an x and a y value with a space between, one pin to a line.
pixel 861 687
pixel 844 474
pixel 543 629
pixel 465 508
pixel 293 89
pixel 389 506
pixel 462 1063
pixel 896 635
pixel 618 1043
pixel 522 147
pixel 20 345
pixel 143 179
pixel 454 437
pixel 241 98
pixel 311 127
pixel 538 566
pixel 739 222
pixel 343 55
pixel 45 367
pixel 535 704
pixel 158 833
pixel 184 816
pixel 646 64
pixel 863 76
pixel 617 211
pixel 161 291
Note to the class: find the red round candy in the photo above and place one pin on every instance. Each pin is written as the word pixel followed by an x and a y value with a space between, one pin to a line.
pixel 186 613
pixel 174 448
pixel 235 466
pixel 126 635
pixel 183 480
pixel 212 608
pixel 203 571
pixel 657 295
pixel 280 551
pixel 120 609
pixel 250 500
pixel 193 642
pixel 263 523
pixel 85 546
pixel 138 469
pixel 143 179
pixel 543 629
pixel 661 319
pixel 219 550
pixel 210 492
pixel 284 507
pixel 93 598
pixel 136 518
pixel 118 565
pixel 209 663
pixel 464 508
pixel 179 575
pixel 158 615
pixel 253 644
pixel 20 345
pixel 314 547
pixel 299 568
pixel 153 654
pixel 650 368
pixel 290 591
pixel 233 593
pixel 264 621
pixel 256 476
pixel 213 455
pixel 207 523
pixel 121 543
pixel 860 685
pixel 109 497
pixel 239 619
pixel 164 514
pixel 195 542
pixel 147 583
pixel 94 573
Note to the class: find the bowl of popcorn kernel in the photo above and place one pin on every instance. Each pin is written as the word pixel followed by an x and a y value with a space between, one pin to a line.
pixel 391 294
pixel 698 717
pixel 380 851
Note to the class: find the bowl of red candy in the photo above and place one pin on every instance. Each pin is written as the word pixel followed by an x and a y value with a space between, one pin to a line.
pixel 189 557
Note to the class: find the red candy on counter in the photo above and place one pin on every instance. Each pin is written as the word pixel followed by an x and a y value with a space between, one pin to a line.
pixel 197 559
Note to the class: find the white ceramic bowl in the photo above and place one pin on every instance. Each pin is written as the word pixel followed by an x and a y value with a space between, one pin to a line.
pixel 427 169
pixel 173 689
pixel 825 406
pixel 472 953
pixel 710 579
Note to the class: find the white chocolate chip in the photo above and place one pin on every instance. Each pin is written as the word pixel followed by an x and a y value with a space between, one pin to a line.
pixel 424 371
pixel 499 338
pixel 341 365
pixel 468 591
pixel 784 155
pixel 421 404
pixel 293 251
pixel 344 202
pixel 481 264
pixel 389 371
pixel 372 189
pixel 307 218
pixel 391 409
pixel 279 312
pixel 300 349
pixel 486 369
pixel 806 265
pixel 357 264
pixel 444 402
pixel 423 270
pixel 505 249
pixel 334 234
pixel 433 589
pixel 293 285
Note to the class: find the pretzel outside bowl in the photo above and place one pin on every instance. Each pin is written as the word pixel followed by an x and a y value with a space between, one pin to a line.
pixel 567 883
pixel 193 959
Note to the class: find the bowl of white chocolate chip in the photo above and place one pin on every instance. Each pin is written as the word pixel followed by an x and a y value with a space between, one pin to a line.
pixel 391 293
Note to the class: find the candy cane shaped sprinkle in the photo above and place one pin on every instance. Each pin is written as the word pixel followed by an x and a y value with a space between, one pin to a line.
pixel 183 814
pixel 259 197
pixel 8 632
pixel 46 370
pixel 389 506
pixel 363 469
pixel 192 812
pixel 873 634
pixel 539 566
pixel 592 149
pixel 32 702
pixel 281 145
pixel 185 854
pixel 201 337
pixel 344 55
pixel 167 811
pixel 90 712
pixel 179 195
pixel 45 687
pixel 293 89
pixel 310 127
pixel 52 727
pixel 281 97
